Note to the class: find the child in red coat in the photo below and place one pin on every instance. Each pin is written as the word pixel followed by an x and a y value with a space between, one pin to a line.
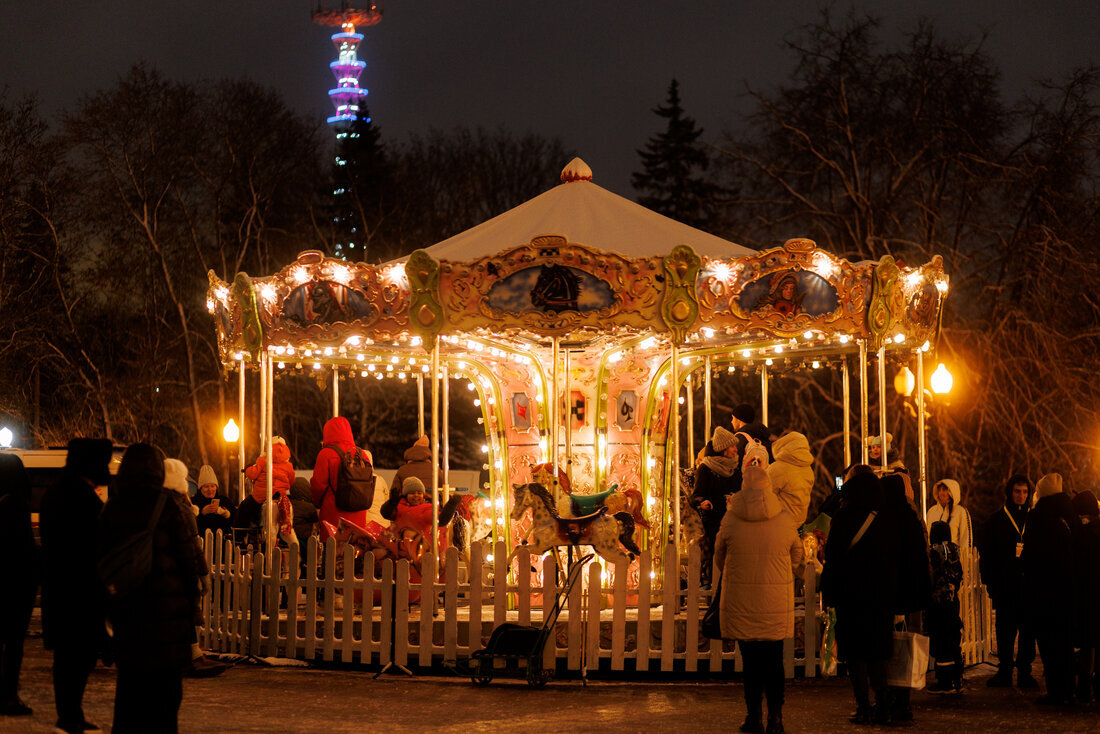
pixel 282 476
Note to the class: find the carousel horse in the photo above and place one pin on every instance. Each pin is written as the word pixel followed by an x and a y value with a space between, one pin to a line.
pixel 691 524
pixel 600 530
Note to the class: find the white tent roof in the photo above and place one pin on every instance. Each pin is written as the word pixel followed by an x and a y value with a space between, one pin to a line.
pixel 585 214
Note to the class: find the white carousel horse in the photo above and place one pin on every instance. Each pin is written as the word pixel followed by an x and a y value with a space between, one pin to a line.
pixel 602 531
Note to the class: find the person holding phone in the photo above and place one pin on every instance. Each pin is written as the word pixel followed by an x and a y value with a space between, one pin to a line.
pixel 216 510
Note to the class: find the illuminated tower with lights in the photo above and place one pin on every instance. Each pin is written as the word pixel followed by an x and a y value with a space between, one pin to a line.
pixel 347 97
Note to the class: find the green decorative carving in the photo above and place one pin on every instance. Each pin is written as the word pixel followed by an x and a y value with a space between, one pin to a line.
pixel 679 307
pixel 425 304
pixel 251 329
pixel 880 317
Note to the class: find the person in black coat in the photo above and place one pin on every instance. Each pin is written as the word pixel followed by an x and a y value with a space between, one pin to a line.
pixel 1049 585
pixel 216 510
pixel 19 569
pixel 154 623
pixel 860 581
pixel 73 599
pixel 914 573
pixel 1086 562
pixel 744 421
pixel 717 476
pixel 1003 575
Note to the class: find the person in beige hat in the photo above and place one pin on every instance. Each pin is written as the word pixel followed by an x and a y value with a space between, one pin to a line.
pixel 717 476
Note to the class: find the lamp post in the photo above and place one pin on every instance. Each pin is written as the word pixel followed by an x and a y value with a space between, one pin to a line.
pixel 6 437
pixel 231 433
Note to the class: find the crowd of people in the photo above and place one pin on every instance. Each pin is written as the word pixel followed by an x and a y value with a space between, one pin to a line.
pixel 149 632
pixel 887 572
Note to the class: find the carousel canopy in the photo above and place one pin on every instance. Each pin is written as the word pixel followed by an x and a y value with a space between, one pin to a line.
pixel 585 214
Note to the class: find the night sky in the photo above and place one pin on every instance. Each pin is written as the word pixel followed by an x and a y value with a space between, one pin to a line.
pixel 587 72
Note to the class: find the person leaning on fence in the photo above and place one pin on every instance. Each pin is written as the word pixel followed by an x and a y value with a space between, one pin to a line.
pixel 944 624
pixel 1049 585
pixel 947 494
pixel 757 552
pixel 19 569
pixel 860 581
pixel 155 622
pixel 716 478
pixel 914 573
pixel 1086 562
pixel 1003 575
pixel 216 510
pixel 73 599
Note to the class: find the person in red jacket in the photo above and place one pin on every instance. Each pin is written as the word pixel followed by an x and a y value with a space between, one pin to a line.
pixel 322 485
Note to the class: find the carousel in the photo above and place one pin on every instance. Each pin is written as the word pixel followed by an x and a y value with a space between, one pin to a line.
pixel 576 320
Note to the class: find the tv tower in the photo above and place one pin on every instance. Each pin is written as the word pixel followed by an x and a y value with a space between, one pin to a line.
pixel 347 97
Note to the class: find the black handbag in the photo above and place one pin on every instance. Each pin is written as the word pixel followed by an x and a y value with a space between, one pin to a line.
pixel 711 626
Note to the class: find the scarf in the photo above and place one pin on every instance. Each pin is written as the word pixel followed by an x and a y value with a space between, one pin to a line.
pixel 721 465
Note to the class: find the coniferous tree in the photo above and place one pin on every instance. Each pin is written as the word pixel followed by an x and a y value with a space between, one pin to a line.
pixel 673 161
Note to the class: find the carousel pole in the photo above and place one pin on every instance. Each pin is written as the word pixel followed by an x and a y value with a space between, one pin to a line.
pixel 446 435
pixel 882 402
pixel 764 394
pixel 263 401
pixel 435 454
pixel 706 399
pixel 568 422
pixel 552 439
pixel 863 401
pixel 269 401
pixel 846 379
pixel 922 471
pixel 690 384
pixel 335 390
pixel 241 390
pixel 673 446
pixel 420 405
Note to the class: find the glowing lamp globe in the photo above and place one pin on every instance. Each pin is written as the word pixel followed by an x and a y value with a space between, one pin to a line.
pixel 6 437
pixel 905 381
pixel 942 380
pixel 231 433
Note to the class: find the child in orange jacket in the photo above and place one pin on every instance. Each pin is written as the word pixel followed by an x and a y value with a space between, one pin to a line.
pixel 282 473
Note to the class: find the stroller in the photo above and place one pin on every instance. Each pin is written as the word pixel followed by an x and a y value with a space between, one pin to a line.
pixel 511 641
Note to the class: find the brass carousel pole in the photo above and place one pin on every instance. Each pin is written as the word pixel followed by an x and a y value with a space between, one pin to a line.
pixel 568 422
pixel 847 387
pixel 554 409
pixel 420 405
pixel 241 391
pixel 446 434
pixel 673 446
pixel 690 384
pixel 268 367
pixel 922 471
pixel 706 399
pixel 764 394
pixel 335 390
pixel 863 417
pixel 882 403
pixel 435 455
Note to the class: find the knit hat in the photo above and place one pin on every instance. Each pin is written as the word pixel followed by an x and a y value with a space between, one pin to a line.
pixel 877 440
pixel 207 476
pixel 175 476
pixel 422 441
pixel 722 439
pixel 278 439
pixel 744 413
pixel 1049 484
pixel 1084 503
pixel 410 485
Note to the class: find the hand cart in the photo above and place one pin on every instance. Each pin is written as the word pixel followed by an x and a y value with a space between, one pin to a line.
pixel 515 642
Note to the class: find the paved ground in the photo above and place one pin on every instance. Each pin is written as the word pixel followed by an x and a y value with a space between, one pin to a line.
pixel 253 698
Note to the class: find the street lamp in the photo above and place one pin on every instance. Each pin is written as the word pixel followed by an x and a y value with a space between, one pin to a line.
pixel 6 437
pixel 942 380
pixel 231 433
pixel 905 381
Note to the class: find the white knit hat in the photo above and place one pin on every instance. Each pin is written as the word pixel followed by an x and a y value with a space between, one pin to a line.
pixel 175 476
pixel 207 476
pixel 1049 484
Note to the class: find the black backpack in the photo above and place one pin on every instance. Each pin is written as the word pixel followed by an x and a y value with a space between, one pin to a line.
pixel 354 482
pixel 123 568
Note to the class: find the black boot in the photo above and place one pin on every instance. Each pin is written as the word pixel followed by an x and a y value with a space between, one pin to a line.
pixel 754 723
pixel 775 722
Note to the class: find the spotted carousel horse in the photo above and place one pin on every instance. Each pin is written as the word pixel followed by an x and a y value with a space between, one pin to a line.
pixel 600 530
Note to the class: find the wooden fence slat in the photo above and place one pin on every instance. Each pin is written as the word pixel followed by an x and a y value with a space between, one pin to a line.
pixel 427 608
pixel 500 584
pixel 573 627
pixel 618 620
pixel 274 584
pixel 401 614
pixel 386 625
pixel 330 599
pixel 809 623
pixel 477 588
pixel 450 607
pixel 367 644
pixel 670 599
pixel 549 596
pixel 691 609
pixel 347 634
pixel 523 581
pixel 256 606
pixel 294 571
pixel 645 590
pixel 311 599
pixel 592 617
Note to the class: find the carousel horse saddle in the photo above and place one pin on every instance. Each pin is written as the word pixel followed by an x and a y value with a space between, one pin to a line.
pixel 586 504
pixel 575 528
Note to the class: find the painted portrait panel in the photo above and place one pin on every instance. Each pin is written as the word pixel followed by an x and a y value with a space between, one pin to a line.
pixel 790 293
pixel 550 289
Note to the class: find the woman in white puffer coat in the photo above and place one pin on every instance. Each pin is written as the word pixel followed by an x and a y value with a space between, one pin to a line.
pixel 757 552
pixel 792 474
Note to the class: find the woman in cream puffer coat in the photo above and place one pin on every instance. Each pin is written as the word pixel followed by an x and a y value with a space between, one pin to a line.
pixel 757 552
pixel 792 474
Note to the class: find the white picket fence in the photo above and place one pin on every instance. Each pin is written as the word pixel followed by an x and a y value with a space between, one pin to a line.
pixel 266 609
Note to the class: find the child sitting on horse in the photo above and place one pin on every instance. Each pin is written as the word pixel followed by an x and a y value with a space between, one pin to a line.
pixel 414 511
pixel 282 476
